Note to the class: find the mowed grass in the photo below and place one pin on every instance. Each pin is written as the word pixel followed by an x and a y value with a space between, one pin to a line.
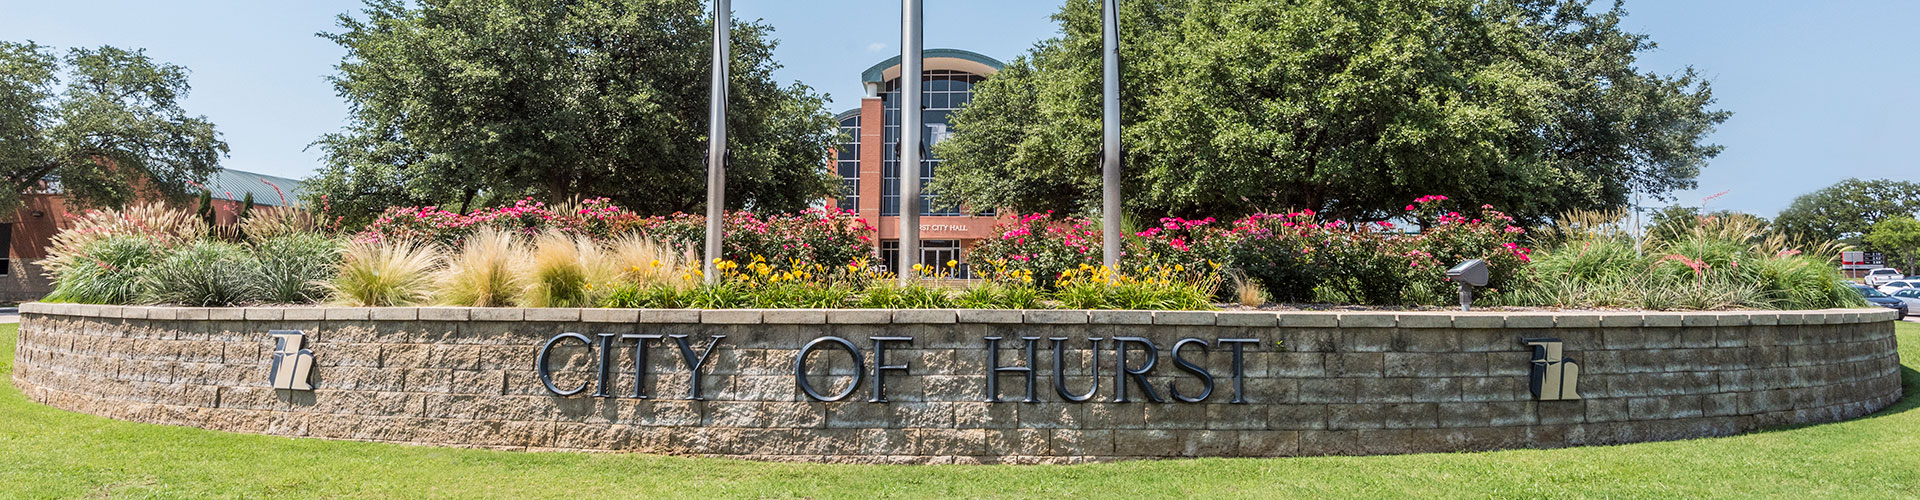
pixel 50 453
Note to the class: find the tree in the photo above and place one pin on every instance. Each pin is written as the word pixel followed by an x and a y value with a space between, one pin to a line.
pixel 116 132
pixel 1848 210
pixel 458 103
pixel 246 208
pixel 1898 237
pixel 204 209
pixel 1348 108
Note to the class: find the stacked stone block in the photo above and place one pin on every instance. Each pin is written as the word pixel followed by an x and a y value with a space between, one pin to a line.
pixel 1314 383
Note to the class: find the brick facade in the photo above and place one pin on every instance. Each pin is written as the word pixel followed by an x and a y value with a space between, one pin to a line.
pixel 1315 383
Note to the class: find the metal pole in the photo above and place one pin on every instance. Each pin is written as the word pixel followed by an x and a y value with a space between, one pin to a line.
pixel 717 139
pixel 910 130
pixel 1111 153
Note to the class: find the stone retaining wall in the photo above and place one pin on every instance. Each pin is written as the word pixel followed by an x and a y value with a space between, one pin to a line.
pixel 1312 383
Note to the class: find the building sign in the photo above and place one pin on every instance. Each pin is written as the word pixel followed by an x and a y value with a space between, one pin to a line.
pixel 944 227
pixel 1134 359
pixel 1554 377
pixel 292 367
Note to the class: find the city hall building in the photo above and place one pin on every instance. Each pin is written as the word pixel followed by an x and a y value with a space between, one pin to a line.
pixel 869 165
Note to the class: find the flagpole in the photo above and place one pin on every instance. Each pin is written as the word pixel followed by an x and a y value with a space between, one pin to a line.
pixel 1111 154
pixel 910 130
pixel 717 139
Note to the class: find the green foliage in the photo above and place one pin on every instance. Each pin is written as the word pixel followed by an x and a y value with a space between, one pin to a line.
pixel 1898 237
pixel 204 209
pixel 484 273
pixel 995 294
pixel 204 274
pixel 460 103
pixel 1720 263
pixel 1345 108
pixel 294 267
pixel 563 271
pixel 915 294
pixel 106 271
pixel 383 274
pixel 1677 220
pixel 117 123
pixel 1848 210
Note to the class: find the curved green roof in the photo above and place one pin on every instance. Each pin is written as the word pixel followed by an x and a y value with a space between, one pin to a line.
pixel 846 114
pixel 877 73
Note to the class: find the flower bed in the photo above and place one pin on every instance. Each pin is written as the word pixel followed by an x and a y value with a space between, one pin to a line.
pixel 595 254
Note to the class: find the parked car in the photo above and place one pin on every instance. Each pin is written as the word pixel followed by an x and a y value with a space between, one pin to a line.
pixel 1883 275
pixel 1897 285
pixel 1883 300
pixel 1911 296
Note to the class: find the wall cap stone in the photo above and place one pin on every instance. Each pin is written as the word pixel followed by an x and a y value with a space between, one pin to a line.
pixel 1237 318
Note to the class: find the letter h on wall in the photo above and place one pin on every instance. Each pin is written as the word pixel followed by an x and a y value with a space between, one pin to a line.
pixel 292 365
pixel 1555 377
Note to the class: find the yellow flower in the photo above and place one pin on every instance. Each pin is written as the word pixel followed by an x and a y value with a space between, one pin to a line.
pixel 952 263
pixel 656 263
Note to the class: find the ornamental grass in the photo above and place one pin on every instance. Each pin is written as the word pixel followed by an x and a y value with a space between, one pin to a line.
pixel 484 272
pixel 563 271
pixel 388 273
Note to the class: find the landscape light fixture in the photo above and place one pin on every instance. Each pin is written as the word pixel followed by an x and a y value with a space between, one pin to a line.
pixel 1469 274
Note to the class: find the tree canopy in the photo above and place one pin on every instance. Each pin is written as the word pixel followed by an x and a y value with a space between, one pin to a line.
pixel 455 102
pixel 1848 210
pixel 115 132
pixel 1898 237
pixel 1346 107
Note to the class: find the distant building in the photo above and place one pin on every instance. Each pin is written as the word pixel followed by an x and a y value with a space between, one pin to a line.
pixel 30 230
pixel 869 166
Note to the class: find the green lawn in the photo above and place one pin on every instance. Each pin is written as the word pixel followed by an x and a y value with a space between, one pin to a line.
pixel 49 453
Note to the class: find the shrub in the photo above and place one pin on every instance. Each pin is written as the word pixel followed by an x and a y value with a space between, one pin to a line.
pixel 294 266
pixel 274 222
pixel 202 274
pixel 563 271
pixel 484 272
pixel 1165 289
pixel 165 227
pixel 105 271
pixel 1718 263
pixel 646 262
pixel 915 294
pixel 826 236
pixel 381 274
pixel 995 294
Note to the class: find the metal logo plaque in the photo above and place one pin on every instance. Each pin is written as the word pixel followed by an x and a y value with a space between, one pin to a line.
pixel 1555 377
pixel 292 365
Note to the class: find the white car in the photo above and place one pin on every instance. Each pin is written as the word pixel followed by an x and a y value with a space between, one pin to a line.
pixel 1911 296
pixel 1898 285
pixel 1883 275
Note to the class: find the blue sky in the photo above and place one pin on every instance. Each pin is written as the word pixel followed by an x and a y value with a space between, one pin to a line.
pixel 1820 91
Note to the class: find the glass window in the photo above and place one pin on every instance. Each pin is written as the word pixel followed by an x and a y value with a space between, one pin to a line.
pixel 942 92
pixel 848 164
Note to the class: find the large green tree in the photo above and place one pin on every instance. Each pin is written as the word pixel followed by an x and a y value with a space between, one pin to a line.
pixel 116 128
pixel 1846 211
pixel 1898 237
pixel 458 102
pixel 1348 107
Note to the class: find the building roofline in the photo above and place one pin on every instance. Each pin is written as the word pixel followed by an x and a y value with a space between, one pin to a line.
pixel 846 114
pixel 878 72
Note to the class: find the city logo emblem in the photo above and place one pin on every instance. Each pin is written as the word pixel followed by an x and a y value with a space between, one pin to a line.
pixel 292 366
pixel 1555 377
